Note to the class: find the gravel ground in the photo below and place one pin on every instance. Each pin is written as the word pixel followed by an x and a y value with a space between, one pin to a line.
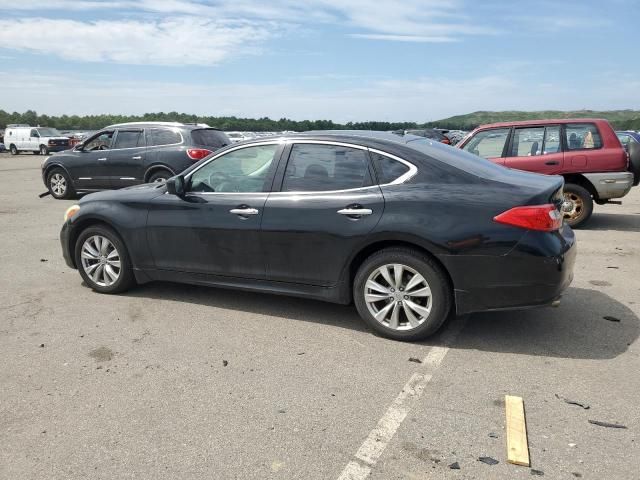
pixel 172 381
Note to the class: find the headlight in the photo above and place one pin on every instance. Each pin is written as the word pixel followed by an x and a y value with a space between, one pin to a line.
pixel 71 211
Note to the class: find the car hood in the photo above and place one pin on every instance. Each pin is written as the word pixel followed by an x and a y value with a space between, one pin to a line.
pixel 145 191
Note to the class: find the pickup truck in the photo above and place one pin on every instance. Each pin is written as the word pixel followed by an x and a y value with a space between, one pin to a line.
pixel 585 151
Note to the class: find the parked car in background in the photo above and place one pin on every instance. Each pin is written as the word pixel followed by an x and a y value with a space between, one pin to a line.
pixel 455 136
pixel 430 133
pixel 628 137
pixel 391 223
pixel 42 140
pixel 2 147
pixel 236 137
pixel 129 154
pixel 586 152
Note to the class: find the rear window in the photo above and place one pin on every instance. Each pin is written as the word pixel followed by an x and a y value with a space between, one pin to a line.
pixel 209 137
pixel 582 136
pixel 163 136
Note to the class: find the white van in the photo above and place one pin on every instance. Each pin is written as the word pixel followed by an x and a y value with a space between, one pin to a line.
pixel 23 138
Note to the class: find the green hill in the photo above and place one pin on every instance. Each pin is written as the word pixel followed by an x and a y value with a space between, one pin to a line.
pixel 620 119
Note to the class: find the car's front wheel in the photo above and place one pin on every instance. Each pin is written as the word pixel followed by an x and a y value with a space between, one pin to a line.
pixel 59 184
pixel 402 294
pixel 44 150
pixel 103 260
pixel 14 150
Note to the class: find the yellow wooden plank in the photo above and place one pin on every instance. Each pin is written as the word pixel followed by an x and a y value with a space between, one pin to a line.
pixel 517 445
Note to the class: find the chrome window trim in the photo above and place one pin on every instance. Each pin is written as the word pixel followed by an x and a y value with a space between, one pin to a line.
pixel 403 178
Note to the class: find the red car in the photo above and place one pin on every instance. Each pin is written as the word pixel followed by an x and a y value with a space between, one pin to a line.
pixel 585 151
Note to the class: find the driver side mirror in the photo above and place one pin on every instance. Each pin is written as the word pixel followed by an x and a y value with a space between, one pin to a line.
pixel 176 186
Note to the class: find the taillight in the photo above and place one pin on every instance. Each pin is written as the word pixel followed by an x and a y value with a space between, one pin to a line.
pixel 197 153
pixel 544 218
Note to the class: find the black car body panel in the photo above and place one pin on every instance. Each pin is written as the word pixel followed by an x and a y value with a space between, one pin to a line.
pixel 297 245
pixel 150 148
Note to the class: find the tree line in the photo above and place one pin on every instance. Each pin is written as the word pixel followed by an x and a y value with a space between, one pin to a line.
pixel 265 124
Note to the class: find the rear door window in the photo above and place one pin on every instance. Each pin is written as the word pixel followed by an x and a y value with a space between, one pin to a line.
pixel 209 137
pixel 129 139
pixel 163 136
pixel 318 168
pixel 488 143
pixel 551 140
pixel 527 142
pixel 582 136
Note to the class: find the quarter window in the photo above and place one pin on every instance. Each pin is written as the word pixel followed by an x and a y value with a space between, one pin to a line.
pixel 582 136
pixel 316 168
pixel 163 136
pixel 244 170
pixel 129 139
pixel 387 168
pixel 488 143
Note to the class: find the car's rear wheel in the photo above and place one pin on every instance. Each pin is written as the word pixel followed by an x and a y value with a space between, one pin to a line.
pixel 59 184
pixel 402 294
pixel 160 176
pixel 13 149
pixel 44 150
pixel 577 206
pixel 103 260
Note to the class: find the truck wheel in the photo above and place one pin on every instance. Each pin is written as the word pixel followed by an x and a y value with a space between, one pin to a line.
pixel 44 150
pixel 13 150
pixel 577 206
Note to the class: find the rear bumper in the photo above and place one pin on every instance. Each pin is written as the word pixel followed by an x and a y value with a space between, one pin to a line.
pixel 533 274
pixel 611 184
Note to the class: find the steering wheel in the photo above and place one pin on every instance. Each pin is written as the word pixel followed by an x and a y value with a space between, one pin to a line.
pixel 103 147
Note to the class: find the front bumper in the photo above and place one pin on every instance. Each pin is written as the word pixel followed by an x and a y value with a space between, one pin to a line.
pixel 58 148
pixel 65 236
pixel 611 184
pixel 535 273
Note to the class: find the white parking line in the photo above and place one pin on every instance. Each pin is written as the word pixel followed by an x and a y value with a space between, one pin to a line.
pixel 376 442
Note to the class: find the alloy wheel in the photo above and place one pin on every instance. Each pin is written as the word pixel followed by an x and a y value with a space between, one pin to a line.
pixel 398 297
pixel 100 260
pixel 58 184
pixel 573 206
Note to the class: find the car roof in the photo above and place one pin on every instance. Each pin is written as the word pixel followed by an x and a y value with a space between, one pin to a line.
pixel 161 124
pixel 542 122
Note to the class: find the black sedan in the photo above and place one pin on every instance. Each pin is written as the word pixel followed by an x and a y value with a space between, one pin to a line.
pixel 406 228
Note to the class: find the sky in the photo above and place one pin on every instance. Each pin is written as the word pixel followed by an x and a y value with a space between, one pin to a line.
pixel 343 60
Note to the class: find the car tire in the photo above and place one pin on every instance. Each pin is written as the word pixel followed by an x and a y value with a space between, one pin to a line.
pixel 578 205
pixel 43 150
pixel 98 271
pixel 59 184
pixel 160 176
pixel 408 316
pixel 13 150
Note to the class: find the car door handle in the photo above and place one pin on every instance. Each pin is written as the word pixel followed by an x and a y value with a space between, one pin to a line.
pixel 244 211
pixel 102 159
pixel 553 162
pixel 355 211
pixel 137 157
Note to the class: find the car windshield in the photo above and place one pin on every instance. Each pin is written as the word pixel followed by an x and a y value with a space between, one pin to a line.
pixel 48 132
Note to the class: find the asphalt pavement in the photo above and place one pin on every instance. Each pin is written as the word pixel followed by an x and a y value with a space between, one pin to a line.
pixel 174 381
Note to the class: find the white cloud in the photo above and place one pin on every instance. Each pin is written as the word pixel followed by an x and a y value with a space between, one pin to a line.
pixel 175 41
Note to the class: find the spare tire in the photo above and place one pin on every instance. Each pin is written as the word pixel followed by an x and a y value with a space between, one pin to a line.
pixel 634 161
